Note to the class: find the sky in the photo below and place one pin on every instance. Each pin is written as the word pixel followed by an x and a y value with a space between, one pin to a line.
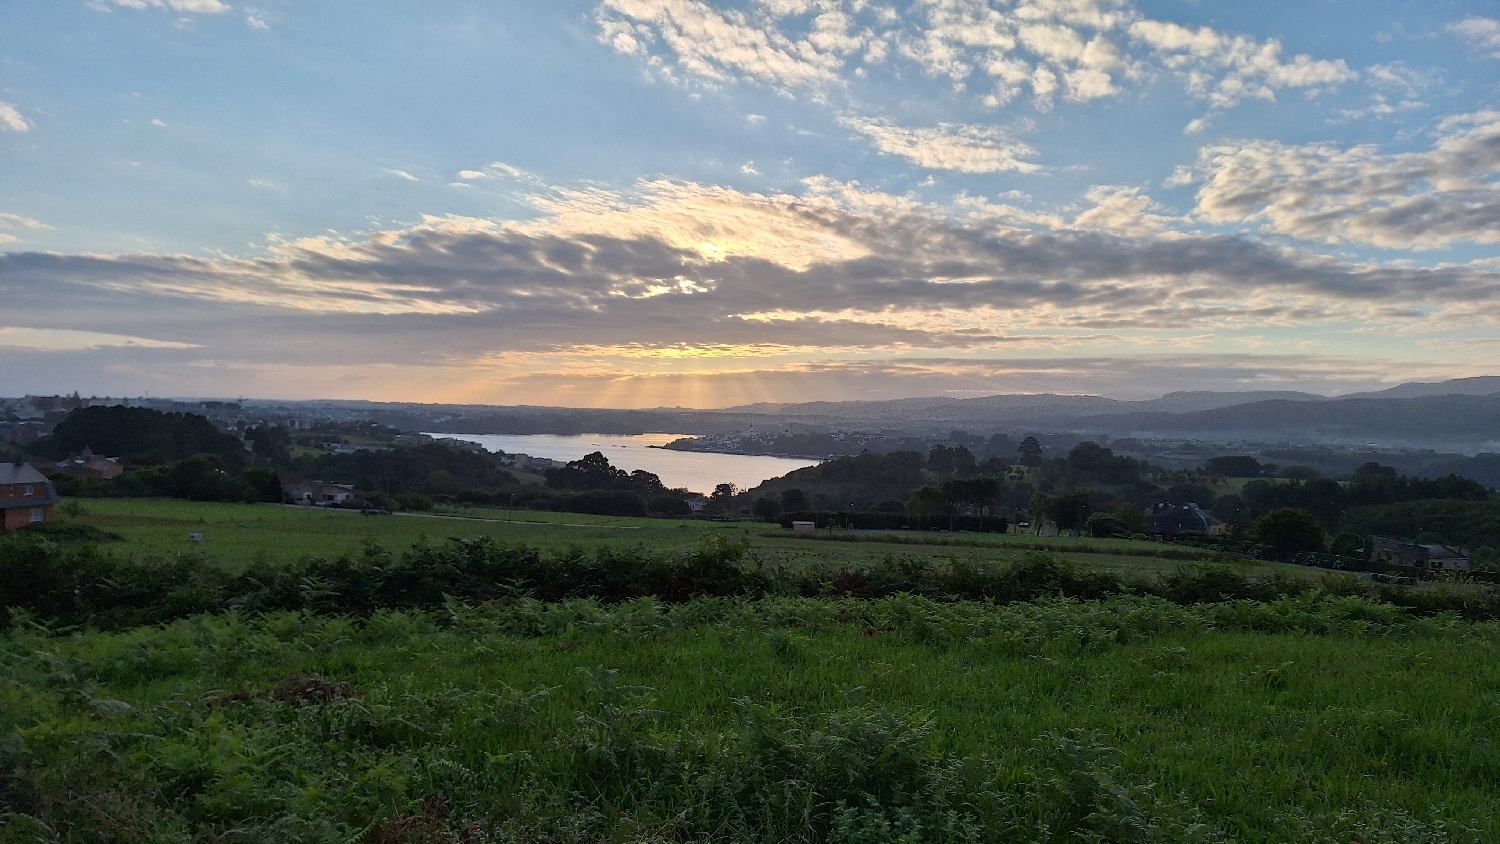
pixel 705 203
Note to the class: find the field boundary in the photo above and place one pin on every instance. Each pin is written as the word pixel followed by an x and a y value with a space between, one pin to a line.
pixel 909 539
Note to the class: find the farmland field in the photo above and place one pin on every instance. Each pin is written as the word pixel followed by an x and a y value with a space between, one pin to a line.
pixel 359 702
pixel 235 535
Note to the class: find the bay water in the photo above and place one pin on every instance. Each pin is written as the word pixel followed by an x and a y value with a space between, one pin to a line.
pixel 695 470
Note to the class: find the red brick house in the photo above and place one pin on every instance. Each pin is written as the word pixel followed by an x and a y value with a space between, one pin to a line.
pixel 26 497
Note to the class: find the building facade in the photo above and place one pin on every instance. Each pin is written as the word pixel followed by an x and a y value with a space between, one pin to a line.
pixel 26 497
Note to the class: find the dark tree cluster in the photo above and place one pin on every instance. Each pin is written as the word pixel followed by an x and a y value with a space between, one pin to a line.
pixel 429 469
pixel 140 436
pixel 595 472
pixel 1372 485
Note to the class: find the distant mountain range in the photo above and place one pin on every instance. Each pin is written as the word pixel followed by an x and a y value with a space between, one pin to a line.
pixel 1459 415
pixel 1463 414
pixel 1484 385
pixel 1024 405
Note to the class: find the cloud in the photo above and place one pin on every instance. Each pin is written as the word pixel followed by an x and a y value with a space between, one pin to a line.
pixel 498 170
pixel 1123 210
pixel 676 262
pixel 62 339
pixel 402 174
pixel 10 221
pixel 1379 109
pixel 713 45
pixel 1481 33
pixel 11 119
pixel 1397 76
pixel 1080 50
pixel 1048 47
pixel 14 221
pixel 603 288
pixel 948 146
pixel 1226 70
pixel 202 7
pixel 256 19
pixel 1444 195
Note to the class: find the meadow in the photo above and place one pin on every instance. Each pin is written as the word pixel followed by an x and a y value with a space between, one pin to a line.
pixel 237 535
pixel 723 682
pixel 904 719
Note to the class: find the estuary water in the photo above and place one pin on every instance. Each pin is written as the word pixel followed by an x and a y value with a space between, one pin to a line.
pixel 698 471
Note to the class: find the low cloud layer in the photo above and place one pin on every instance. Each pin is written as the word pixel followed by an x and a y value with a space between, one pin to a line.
pixel 716 284
pixel 1443 195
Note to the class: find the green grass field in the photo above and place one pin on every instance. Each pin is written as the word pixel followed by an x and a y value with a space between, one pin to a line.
pixel 1308 719
pixel 235 535
pixel 1129 720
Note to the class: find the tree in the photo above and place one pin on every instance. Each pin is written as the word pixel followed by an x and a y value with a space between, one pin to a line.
pixel 928 501
pixel 670 505
pixel 1106 524
pixel 643 481
pixel 1348 545
pixel 1102 464
pixel 971 492
pixel 593 471
pixel 944 461
pixel 1131 517
pixel 263 483
pixel 1373 471
pixel 1234 466
pixel 141 436
pixel 1297 473
pixel 200 477
pixel 1289 531
pixel 766 510
pixel 1030 452
pixel 1070 511
pixel 272 443
pixel 1231 509
pixel 793 500
pixel 441 482
pixel 1189 494
pixel 1039 508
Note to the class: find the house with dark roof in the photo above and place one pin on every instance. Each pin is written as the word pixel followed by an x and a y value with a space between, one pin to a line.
pixel 86 465
pixel 26 497
pixel 1422 556
pixel 1168 521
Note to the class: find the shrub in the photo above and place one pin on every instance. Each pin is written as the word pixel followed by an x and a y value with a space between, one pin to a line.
pixel 1289 531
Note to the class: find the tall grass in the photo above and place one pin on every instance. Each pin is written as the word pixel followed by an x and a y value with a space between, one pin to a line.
pixel 1308 718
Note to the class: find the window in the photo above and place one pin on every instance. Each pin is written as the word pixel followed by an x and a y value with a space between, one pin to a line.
pixel 38 514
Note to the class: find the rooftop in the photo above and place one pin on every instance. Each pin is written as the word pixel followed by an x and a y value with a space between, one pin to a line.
pixel 20 473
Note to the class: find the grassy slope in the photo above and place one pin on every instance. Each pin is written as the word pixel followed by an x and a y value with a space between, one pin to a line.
pixel 1361 729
